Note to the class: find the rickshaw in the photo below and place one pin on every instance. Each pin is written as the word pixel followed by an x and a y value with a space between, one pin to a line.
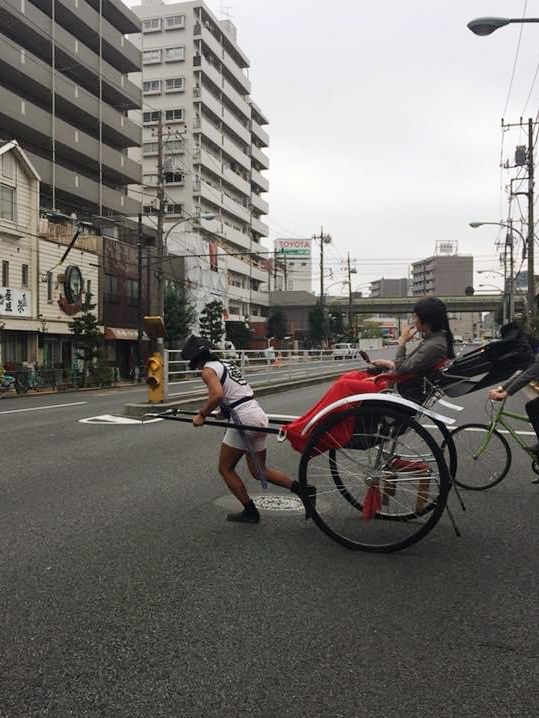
pixel 383 465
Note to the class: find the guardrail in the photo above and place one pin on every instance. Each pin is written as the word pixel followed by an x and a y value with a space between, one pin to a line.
pixel 265 362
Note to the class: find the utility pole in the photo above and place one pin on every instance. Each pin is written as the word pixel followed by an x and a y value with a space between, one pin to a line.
pixel 350 312
pixel 324 239
pixel 510 243
pixel 531 234
pixel 140 321
pixel 160 216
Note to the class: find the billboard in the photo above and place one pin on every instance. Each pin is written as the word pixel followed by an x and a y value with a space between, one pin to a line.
pixel 294 247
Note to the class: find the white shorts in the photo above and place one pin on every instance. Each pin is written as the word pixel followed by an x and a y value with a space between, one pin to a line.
pixel 255 416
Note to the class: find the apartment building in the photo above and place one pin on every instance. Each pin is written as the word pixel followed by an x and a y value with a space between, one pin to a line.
pixel 390 287
pixel 443 275
pixel 65 95
pixel 195 78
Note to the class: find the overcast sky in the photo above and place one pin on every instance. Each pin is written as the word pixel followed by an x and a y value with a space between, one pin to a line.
pixel 385 121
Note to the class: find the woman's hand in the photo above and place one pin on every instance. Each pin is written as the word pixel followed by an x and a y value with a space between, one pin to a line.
pixel 383 363
pixel 497 394
pixel 407 334
pixel 199 420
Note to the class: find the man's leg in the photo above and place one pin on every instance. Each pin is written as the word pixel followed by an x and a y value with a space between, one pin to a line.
pixel 228 460
pixel 278 478
pixel 532 409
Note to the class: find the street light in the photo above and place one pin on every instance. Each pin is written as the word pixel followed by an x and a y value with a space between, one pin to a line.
pixel 509 226
pixel 207 215
pixel 487 25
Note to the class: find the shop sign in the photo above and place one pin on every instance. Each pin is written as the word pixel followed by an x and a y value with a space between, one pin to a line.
pixel 294 247
pixel 15 302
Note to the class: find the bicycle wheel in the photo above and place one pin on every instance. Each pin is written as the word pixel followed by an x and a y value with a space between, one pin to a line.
pixel 483 461
pixel 392 479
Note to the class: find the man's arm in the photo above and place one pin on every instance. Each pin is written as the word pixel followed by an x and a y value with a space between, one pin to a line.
pixel 215 396
pixel 532 372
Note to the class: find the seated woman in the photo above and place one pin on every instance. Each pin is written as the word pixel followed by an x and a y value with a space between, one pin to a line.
pixel 430 320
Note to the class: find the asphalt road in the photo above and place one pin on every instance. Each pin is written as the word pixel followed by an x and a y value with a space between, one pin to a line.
pixel 124 593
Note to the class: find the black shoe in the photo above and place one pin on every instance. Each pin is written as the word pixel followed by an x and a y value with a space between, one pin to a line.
pixel 244 517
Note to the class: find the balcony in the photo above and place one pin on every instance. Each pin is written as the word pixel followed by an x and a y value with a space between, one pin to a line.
pixel 260 204
pixel 208 130
pixel 71 187
pixel 246 267
pixel 260 133
pixel 236 181
pixel 30 78
pixel 32 125
pixel 236 126
pixel 201 31
pixel 77 61
pixel 236 99
pixel 260 157
pixel 211 72
pixel 235 208
pixel 207 159
pixel 259 180
pixel 63 234
pixel 236 153
pixel 259 227
pixel 230 65
pixel 210 101
pixel 234 236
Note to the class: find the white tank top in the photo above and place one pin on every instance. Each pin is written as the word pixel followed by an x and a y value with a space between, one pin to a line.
pixel 235 387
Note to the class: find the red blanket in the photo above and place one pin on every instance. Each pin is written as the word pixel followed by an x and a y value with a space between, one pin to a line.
pixel 353 382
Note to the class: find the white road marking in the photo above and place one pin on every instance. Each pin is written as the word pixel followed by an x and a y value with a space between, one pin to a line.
pixel 119 420
pixel 40 408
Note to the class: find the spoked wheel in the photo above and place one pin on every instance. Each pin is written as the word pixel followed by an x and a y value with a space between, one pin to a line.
pixel 484 456
pixel 385 484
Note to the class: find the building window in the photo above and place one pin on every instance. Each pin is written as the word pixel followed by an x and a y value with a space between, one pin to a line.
pixel 149 57
pixel 149 148
pixel 174 84
pixel 150 117
pixel 132 291
pixel 7 203
pixel 49 287
pixel 5 274
pixel 150 180
pixel 151 87
pixel 24 275
pixel 172 22
pixel 174 208
pixel 174 54
pixel 173 178
pixel 174 115
pixel 110 290
pixel 151 25
pixel 149 209
pixel 8 166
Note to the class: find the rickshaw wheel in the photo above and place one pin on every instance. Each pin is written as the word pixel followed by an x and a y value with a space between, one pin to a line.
pixel 380 501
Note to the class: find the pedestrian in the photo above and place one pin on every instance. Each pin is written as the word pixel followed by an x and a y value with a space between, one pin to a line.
pixel 230 392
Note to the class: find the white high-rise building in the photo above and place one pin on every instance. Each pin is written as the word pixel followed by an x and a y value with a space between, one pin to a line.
pixel 195 74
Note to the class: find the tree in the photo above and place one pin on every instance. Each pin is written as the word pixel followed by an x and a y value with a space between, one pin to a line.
pixel 211 322
pixel 336 324
pixel 179 313
pixel 319 323
pixel 88 336
pixel 239 334
pixel 277 324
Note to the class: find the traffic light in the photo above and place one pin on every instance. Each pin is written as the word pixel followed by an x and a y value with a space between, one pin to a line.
pixel 155 378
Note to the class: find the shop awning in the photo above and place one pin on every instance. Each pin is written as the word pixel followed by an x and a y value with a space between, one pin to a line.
pixel 130 335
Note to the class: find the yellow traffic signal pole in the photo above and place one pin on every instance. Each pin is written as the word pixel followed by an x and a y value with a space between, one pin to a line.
pixel 155 366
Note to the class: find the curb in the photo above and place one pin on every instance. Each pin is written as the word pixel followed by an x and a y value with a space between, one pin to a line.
pixel 138 409
pixel 51 392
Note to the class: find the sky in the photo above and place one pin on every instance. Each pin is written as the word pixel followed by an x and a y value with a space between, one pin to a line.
pixel 385 123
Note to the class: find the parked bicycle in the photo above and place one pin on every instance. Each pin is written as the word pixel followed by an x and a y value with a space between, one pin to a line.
pixel 30 381
pixel 484 454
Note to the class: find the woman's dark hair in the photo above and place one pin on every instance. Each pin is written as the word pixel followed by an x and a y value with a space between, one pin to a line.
pixel 205 357
pixel 432 311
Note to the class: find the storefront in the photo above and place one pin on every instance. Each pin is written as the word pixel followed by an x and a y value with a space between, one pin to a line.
pixel 121 349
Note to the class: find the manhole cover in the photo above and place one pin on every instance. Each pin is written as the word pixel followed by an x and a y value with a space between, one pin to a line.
pixel 278 503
